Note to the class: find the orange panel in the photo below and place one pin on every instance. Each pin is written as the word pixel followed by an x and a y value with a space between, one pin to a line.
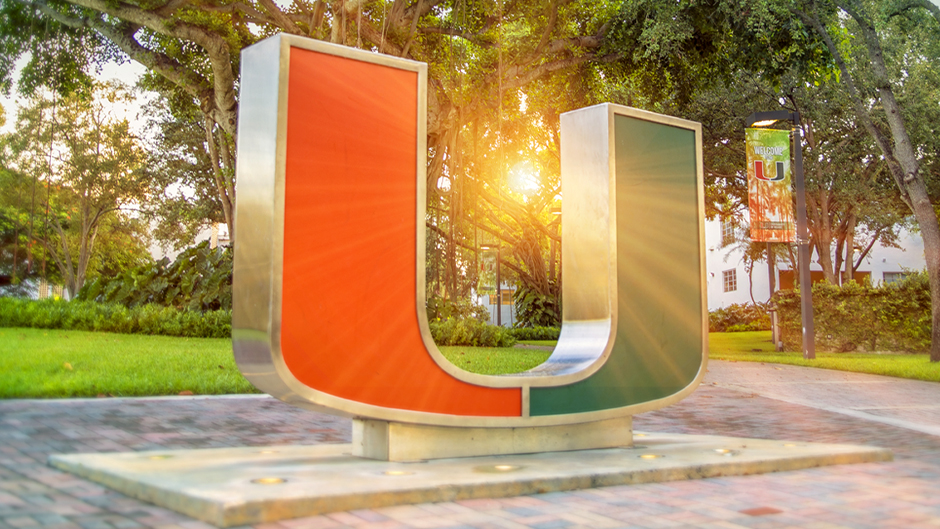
pixel 349 326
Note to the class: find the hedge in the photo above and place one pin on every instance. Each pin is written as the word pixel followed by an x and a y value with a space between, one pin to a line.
pixel 113 317
pixel 739 317
pixel 894 317
pixel 535 333
pixel 470 331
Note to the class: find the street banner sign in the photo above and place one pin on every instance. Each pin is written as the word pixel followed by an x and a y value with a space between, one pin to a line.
pixel 770 198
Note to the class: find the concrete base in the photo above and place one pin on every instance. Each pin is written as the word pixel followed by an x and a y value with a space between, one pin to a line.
pixel 234 486
pixel 393 441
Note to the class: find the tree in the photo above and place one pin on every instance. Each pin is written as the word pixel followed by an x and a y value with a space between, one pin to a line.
pixel 81 168
pixel 186 197
pixel 872 74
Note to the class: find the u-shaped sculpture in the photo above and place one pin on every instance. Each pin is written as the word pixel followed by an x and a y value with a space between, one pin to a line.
pixel 329 309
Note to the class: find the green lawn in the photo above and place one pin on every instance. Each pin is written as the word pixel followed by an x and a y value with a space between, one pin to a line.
pixel 46 363
pixel 52 363
pixel 42 363
pixel 757 347
pixel 494 360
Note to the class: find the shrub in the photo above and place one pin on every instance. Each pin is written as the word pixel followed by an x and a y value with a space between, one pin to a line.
pixel 440 309
pixel 739 317
pixel 534 309
pixel 199 279
pixel 470 331
pixel 535 333
pixel 894 317
pixel 113 317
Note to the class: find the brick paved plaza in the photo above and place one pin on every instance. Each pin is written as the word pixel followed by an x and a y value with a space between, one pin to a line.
pixel 738 399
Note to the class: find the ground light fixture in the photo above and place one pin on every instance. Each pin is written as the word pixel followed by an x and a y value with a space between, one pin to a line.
pixel 651 456
pixel 397 473
pixel 765 119
pixel 489 469
pixel 269 481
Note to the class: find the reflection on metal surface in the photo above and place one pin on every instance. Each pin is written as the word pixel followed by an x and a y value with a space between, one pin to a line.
pixel 329 263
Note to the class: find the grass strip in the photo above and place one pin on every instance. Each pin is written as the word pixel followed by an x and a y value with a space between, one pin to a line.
pixel 46 363
pixel 50 363
pixel 757 347
pixel 494 360
pixel 550 343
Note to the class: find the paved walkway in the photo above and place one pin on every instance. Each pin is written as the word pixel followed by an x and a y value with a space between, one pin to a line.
pixel 741 399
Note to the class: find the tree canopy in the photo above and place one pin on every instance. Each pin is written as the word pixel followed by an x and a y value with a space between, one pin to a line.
pixel 862 72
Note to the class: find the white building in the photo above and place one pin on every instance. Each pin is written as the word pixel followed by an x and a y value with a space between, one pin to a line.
pixel 217 235
pixel 507 306
pixel 729 282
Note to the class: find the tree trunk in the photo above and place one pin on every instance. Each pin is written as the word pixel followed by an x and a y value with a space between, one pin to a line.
pixel 771 269
pixel 818 208
pixel 850 249
pixel 930 231
pixel 218 174
pixel 750 281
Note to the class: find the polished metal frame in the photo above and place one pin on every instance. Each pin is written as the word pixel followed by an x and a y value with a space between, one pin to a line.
pixel 590 288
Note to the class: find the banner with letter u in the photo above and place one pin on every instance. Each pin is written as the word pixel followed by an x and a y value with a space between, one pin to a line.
pixel 770 199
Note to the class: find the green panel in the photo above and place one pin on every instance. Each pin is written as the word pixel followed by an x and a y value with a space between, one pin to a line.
pixel 658 347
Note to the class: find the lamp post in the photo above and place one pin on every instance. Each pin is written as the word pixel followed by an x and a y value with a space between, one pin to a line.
pixel 764 119
pixel 499 289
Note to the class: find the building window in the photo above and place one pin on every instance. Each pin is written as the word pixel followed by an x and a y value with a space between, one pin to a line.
pixel 894 277
pixel 727 231
pixel 507 297
pixel 729 280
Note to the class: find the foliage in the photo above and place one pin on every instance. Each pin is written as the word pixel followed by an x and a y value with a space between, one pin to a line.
pixel 739 317
pixel 91 316
pixel 45 363
pixel 471 332
pixel 535 333
pixel 187 197
pixel 757 347
pixel 534 309
pixel 200 279
pixel 440 309
pixel 72 176
pixel 893 317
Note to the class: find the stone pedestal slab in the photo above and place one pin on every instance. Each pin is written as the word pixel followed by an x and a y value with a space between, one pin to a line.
pixel 234 486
